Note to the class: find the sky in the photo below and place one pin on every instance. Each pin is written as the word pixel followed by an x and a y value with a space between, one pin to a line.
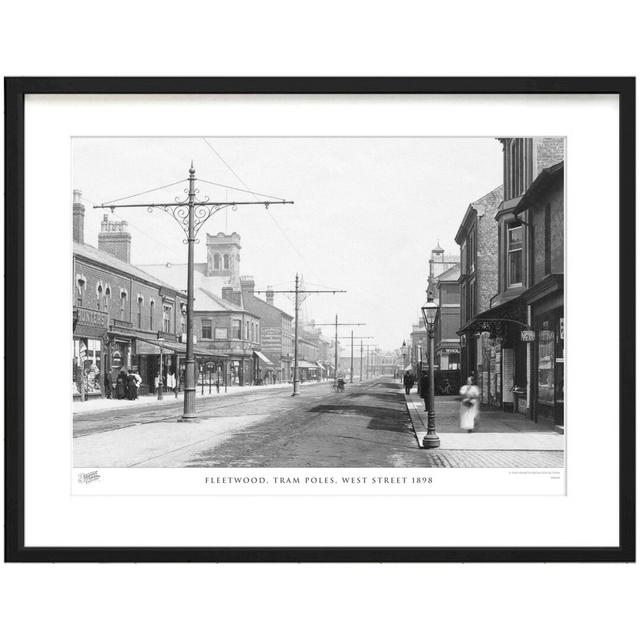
pixel 367 212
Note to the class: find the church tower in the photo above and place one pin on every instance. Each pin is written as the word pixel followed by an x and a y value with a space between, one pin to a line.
pixel 223 257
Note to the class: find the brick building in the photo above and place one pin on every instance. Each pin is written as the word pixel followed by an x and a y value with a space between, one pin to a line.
pixel 276 331
pixel 530 254
pixel 477 237
pixel 120 312
pixel 228 331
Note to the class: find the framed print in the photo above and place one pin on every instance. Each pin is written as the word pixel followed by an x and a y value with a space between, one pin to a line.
pixel 320 319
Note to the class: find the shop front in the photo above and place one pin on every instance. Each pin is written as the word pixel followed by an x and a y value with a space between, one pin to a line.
pixel 88 353
pixel 263 369
pixel 547 366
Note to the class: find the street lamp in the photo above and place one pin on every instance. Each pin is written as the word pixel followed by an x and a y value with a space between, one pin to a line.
pixel 403 351
pixel 430 313
pixel 161 343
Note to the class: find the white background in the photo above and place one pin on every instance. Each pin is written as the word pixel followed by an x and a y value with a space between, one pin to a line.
pixel 53 517
pixel 323 601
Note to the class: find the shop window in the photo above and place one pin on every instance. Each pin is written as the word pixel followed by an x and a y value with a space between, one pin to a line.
pixel 514 254
pixel 206 329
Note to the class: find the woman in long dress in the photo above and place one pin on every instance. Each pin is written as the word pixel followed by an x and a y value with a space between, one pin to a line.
pixel 469 405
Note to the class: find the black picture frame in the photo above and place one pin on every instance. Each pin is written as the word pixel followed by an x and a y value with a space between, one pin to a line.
pixel 15 91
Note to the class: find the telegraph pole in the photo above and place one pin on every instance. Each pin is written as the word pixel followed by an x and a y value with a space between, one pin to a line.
pixel 190 214
pixel 297 291
pixel 337 324
pixel 358 338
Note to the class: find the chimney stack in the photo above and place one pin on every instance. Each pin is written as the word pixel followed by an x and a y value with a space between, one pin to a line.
pixel 78 217
pixel 270 295
pixel 248 285
pixel 226 293
pixel 236 297
pixel 114 238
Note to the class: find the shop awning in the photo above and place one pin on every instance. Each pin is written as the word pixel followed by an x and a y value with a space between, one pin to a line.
pixel 511 313
pixel 303 364
pixel 89 331
pixel 320 366
pixel 152 347
pixel 264 358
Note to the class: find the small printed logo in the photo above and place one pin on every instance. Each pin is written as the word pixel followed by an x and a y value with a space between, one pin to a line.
pixel 90 476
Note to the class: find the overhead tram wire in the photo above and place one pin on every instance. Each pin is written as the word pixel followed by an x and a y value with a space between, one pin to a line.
pixel 166 186
pixel 227 186
pixel 246 186
pixel 142 231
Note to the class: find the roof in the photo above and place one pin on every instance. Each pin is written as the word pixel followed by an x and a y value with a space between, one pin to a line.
pixel 96 255
pixel 543 180
pixel 250 301
pixel 438 248
pixel 206 287
pixel 488 203
pixel 206 300
pixel 450 275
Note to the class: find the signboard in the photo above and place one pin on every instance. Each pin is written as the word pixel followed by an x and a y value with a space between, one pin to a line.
pixel 210 364
pixel 527 336
pixel 92 317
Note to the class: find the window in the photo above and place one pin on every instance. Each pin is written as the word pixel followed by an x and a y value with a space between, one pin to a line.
pixel 471 250
pixel 81 285
pixel 463 257
pixel 514 254
pixel 221 333
pixel 226 260
pixel 152 306
pixel 547 239
pixel 140 301
pixel 216 262
pixel 166 318
pixel 206 329
pixel 107 298
pixel 183 328
pixel 236 329
pixel 99 297
pixel 123 303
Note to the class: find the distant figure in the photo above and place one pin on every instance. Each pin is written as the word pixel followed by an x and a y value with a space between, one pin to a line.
pixel 408 381
pixel 469 405
pixel 108 384
pixel 121 384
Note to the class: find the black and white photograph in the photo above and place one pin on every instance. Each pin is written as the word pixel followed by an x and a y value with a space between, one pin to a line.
pixel 318 302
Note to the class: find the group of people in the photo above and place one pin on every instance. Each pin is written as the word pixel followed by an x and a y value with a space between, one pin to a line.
pixel 469 399
pixel 126 386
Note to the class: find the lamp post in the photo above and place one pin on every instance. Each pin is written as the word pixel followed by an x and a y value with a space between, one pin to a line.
pixel 403 351
pixel 161 343
pixel 429 313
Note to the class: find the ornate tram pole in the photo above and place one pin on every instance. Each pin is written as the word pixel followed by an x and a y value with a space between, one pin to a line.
pixel 190 214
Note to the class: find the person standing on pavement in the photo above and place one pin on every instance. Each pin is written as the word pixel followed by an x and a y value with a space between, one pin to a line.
pixel 121 385
pixel 469 405
pixel 108 384
pixel 408 382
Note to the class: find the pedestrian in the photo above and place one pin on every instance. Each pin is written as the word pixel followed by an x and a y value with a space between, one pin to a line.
pixel 132 389
pixel 408 382
pixel 469 405
pixel 121 384
pixel 108 384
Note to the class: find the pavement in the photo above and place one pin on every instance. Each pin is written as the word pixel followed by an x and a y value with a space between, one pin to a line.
pixel 101 404
pixel 496 430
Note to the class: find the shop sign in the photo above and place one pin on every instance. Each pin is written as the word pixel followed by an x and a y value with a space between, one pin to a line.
pixel 527 335
pixel 92 317
pixel 210 364
pixel 546 336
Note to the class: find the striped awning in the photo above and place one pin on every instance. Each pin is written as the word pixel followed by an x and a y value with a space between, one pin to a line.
pixel 262 357
pixel 303 364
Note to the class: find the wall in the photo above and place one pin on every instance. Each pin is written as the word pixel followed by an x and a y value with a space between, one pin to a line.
pixel 537 217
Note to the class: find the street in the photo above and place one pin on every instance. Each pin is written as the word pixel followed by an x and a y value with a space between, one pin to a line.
pixel 369 425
